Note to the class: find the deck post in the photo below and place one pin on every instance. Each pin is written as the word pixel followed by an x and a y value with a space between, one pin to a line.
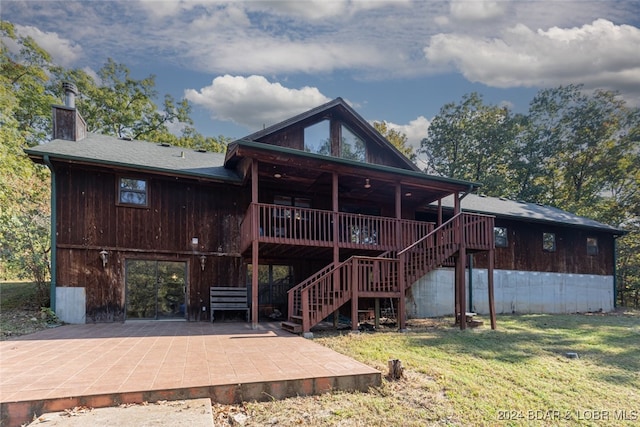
pixel 354 294
pixel 336 241
pixel 254 247
pixel 304 303
pixel 492 305
pixel 376 323
pixel 402 285
pixel 460 278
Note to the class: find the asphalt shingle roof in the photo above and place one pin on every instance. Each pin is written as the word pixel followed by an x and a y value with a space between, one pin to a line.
pixel 109 151
pixel 505 208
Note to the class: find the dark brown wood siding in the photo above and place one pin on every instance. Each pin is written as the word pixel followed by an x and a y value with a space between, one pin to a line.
pixel 89 220
pixel 525 252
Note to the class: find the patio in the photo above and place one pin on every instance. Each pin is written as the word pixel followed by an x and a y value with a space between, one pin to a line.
pixel 102 365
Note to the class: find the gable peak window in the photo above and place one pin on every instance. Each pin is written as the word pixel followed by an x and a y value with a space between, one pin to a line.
pixel 336 141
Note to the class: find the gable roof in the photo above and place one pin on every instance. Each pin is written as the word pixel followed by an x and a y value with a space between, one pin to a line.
pixel 317 114
pixel 532 212
pixel 108 151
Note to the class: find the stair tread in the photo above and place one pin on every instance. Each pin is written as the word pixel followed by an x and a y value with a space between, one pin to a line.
pixel 292 327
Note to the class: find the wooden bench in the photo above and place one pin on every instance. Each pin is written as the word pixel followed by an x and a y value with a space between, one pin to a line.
pixel 227 298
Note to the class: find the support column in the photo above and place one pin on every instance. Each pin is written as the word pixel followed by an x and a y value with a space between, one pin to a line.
pixel 354 295
pixel 460 267
pixel 402 285
pixel 254 246
pixel 492 304
pixel 335 207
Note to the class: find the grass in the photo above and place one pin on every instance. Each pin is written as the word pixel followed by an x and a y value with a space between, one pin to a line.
pixel 19 314
pixel 16 294
pixel 516 375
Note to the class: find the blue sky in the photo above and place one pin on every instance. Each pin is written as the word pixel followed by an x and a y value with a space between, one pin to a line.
pixel 245 64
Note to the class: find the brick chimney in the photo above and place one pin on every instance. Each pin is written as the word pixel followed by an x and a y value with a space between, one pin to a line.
pixel 67 122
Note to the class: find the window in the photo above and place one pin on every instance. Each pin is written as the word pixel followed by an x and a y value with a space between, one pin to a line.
pixel 549 242
pixel 500 237
pixel 132 191
pixel 592 246
pixel 317 139
pixel 352 148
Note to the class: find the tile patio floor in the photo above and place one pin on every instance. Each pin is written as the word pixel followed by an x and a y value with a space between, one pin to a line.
pixel 99 365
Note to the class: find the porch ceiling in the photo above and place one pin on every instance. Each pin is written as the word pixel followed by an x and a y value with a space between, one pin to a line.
pixel 312 173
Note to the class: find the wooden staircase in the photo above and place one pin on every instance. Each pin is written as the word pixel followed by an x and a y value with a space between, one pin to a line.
pixel 383 276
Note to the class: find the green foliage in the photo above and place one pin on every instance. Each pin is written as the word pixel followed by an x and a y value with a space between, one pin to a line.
pixel 472 141
pixel 398 139
pixel 49 316
pixel 24 190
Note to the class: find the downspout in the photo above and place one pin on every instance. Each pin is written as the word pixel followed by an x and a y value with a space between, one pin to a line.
pixel 52 289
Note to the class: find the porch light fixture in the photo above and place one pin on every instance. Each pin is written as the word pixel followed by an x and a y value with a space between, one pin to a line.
pixel 366 183
pixel 277 175
pixel 203 261
pixel 408 194
pixel 104 256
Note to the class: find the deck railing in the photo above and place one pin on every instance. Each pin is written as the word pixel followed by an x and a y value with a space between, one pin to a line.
pixel 314 227
pixel 434 249
pixel 318 296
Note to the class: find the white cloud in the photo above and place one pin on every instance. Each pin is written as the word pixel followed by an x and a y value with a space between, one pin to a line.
pixel 321 9
pixel 269 55
pixel 63 51
pixel 415 130
pixel 477 10
pixel 253 101
pixel 600 54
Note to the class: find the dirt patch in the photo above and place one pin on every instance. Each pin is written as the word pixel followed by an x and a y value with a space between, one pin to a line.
pixel 19 321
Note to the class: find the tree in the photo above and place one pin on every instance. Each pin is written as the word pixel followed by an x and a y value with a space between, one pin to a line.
pixel 124 107
pixel 398 139
pixel 471 141
pixel 578 140
pixel 24 190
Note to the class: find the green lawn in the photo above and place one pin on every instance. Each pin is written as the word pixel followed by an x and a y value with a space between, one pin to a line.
pixel 16 294
pixel 516 375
